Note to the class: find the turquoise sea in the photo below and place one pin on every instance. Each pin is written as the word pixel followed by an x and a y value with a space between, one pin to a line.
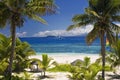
pixel 66 45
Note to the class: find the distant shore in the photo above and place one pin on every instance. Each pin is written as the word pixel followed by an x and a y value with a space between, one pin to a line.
pixel 68 58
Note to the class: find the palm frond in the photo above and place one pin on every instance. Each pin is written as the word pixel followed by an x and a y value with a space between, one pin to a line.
pixel 116 47
pixel 37 18
pixel 80 18
pixel 91 12
pixel 45 60
pixel 4 14
pixel 116 2
pixel 116 18
pixel 110 36
pixel 19 57
pixel 71 27
pixel 113 7
pixel 77 25
pixel 115 27
pixel 92 35
pixel 86 61
pixel 15 4
pixel 42 7
pixel 3 38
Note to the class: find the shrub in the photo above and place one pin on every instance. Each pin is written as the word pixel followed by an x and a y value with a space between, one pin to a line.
pixel 61 68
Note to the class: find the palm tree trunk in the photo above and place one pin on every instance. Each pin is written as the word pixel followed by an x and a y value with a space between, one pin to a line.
pixel 13 34
pixel 116 36
pixel 102 38
pixel 44 73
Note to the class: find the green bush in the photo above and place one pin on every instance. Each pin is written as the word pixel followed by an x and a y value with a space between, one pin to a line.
pixel 86 70
pixel 21 76
pixel 3 66
pixel 61 68
pixel 13 78
pixel 22 52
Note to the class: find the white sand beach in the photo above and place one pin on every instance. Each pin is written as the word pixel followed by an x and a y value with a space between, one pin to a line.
pixel 68 58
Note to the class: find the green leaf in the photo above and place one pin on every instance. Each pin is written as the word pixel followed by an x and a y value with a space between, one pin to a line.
pixel 89 11
pixel 37 18
pixel 71 27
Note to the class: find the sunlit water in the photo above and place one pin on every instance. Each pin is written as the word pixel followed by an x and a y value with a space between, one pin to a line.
pixel 67 45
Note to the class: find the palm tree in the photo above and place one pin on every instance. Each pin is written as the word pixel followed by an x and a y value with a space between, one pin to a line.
pixel 14 12
pixel 46 62
pixel 102 14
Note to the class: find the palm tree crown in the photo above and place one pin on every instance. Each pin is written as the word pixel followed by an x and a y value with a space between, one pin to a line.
pixel 103 15
pixel 14 12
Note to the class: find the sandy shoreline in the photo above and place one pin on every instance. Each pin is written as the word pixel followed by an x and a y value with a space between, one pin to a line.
pixel 68 58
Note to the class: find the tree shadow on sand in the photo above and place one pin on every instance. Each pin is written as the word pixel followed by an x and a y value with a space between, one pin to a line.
pixel 41 76
pixel 115 76
pixel 48 77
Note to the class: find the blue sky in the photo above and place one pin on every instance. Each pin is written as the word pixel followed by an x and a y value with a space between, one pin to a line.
pixel 57 23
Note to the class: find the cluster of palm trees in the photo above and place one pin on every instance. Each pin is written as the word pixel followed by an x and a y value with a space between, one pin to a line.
pixel 103 15
pixel 14 12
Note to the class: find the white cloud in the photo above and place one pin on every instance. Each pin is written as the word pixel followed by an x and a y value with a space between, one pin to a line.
pixel 75 32
pixel 22 34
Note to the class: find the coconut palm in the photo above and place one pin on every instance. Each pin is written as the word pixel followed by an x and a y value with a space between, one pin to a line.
pixel 46 62
pixel 102 14
pixel 14 12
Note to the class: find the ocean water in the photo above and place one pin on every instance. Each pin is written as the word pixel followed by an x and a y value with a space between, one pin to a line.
pixel 68 45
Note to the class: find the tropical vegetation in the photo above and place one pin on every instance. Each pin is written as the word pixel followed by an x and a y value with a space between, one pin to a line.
pixel 14 12
pixel 4 52
pixel 22 76
pixel 46 62
pixel 85 70
pixel 103 15
pixel 113 57
pixel 60 68
pixel 21 58
pixel 23 51
pixel 14 54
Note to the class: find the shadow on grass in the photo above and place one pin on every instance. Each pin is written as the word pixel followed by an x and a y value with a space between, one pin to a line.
pixel 115 76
